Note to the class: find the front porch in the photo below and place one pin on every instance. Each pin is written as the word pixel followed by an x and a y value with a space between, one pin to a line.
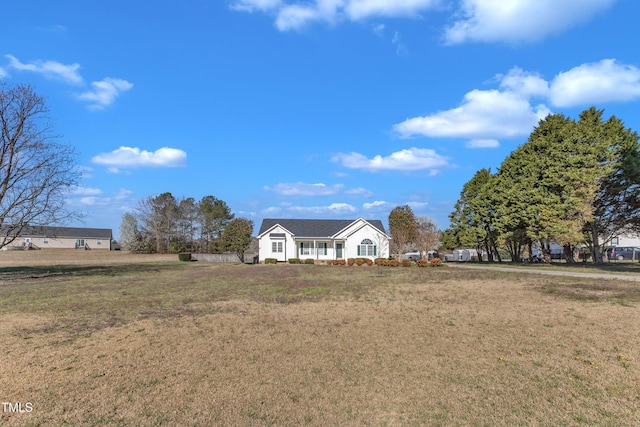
pixel 320 249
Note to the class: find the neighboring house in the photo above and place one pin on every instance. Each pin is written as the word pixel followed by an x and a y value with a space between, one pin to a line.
pixel 43 237
pixel 322 239
pixel 624 240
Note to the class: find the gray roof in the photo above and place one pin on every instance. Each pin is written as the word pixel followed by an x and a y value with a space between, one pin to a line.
pixel 314 227
pixel 68 232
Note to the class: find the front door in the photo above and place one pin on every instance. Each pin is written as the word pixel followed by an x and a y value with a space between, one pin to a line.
pixel 338 250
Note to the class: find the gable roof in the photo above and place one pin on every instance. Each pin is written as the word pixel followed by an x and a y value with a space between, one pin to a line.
pixel 68 232
pixel 314 227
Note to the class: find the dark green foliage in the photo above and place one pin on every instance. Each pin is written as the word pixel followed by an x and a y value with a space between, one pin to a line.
pixel 403 227
pixel 213 217
pixel 237 236
pixel 473 222
pixel 184 256
pixel 572 183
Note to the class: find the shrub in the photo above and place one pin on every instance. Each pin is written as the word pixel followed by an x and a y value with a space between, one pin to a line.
pixel 339 262
pixel 406 262
pixel 436 262
pixel 393 263
pixel 270 261
pixel 184 256
pixel 309 261
pixel 359 262
pixel 294 260
pixel 379 261
pixel 369 262
pixel 423 263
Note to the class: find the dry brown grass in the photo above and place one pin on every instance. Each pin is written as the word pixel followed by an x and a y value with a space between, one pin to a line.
pixel 160 342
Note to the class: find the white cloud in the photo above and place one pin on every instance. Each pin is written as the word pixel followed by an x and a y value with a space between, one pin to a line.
pixel 135 157
pixel 104 92
pixel 334 208
pixel 361 9
pixel 524 83
pixel 598 82
pixel 86 196
pixel 359 191
pixel 519 20
pixel 303 189
pixel 255 5
pixel 512 21
pixel 483 143
pixel 482 114
pixel 378 30
pixel 412 159
pixel 417 206
pixel 288 210
pixel 3 73
pixel 296 15
pixel 50 69
pixel 401 49
pixel 377 205
pixel 85 191
pixel 513 110
pixel 270 211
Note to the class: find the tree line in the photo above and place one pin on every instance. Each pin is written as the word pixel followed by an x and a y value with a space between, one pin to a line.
pixel 166 224
pixel 575 183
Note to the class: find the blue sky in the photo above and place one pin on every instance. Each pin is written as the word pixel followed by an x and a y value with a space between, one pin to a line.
pixel 311 109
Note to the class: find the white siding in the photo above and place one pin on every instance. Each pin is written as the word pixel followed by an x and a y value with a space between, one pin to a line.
pixel 350 238
pixel 266 246
pixel 359 231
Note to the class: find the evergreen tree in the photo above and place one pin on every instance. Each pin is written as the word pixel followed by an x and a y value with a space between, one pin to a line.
pixel 236 236
pixel 472 221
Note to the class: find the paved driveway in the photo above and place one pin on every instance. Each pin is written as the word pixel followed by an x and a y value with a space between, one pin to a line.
pixel 541 270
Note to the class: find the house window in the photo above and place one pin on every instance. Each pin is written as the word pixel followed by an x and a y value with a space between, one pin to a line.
pixel 98 242
pixel 80 243
pixel 367 248
pixel 276 247
pixel 306 248
pixel 45 241
pixel 322 248
pixel 614 241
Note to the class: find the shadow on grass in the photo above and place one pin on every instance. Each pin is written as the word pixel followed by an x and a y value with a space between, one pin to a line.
pixel 39 272
pixel 618 293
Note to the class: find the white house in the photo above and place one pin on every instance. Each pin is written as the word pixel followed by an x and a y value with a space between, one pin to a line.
pixel 52 237
pixel 624 240
pixel 322 239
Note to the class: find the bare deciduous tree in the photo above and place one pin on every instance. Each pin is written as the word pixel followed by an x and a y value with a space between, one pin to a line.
pixel 427 236
pixel 36 171
pixel 158 217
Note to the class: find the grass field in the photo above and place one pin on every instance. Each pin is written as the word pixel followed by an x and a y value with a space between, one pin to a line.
pixel 113 339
